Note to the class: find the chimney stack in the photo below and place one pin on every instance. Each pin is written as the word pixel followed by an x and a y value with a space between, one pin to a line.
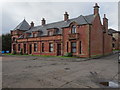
pixel 32 24
pixel 66 16
pixel 96 9
pixel 43 21
pixel 105 23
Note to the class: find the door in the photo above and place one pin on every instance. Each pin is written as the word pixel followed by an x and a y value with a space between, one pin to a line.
pixel 14 47
pixel 58 49
pixel 30 49
pixel 24 48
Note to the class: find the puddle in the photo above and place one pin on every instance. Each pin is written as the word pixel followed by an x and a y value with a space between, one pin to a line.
pixel 110 84
pixel 95 77
pixel 34 58
pixel 67 68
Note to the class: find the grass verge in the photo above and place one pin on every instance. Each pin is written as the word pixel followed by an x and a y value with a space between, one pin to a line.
pixel 37 55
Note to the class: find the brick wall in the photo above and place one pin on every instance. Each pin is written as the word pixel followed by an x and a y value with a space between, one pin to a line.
pixel 96 37
pixel 107 43
pixel 83 37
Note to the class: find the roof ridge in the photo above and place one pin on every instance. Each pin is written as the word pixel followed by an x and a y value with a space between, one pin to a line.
pixel 64 21
pixel 81 20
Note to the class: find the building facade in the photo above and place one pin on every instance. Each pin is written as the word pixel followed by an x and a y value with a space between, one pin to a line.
pixel 115 39
pixel 83 36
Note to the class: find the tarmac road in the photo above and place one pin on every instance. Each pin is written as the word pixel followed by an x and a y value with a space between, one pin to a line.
pixel 54 72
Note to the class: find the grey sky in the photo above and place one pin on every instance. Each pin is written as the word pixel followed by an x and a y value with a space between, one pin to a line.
pixel 14 13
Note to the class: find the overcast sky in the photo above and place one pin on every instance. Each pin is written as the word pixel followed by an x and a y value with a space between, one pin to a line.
pixel 14 13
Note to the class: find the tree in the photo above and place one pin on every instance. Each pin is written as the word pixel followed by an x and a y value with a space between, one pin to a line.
pixel 6 42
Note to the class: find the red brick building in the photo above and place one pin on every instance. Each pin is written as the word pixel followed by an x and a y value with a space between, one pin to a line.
pixel 115 39
pixel 83 36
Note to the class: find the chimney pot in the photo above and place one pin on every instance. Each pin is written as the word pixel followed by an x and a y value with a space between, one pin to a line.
pixel 32 24
pixel 43 21
pixel 104 15
pixel 96 4
pixel 96 9
pixel 105 23
pixel 66 16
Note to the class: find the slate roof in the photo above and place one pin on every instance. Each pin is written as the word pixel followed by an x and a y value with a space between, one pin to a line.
pixel 80 20
pixel 23 26
pixel 112 31
pixel 61 24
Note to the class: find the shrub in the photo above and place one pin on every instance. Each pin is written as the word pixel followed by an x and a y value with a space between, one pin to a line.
pixel 68 55
pixel 14 52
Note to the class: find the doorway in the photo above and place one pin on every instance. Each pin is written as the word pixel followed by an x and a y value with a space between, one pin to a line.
pixel 30 49
pixel 24 48
pixel 58 49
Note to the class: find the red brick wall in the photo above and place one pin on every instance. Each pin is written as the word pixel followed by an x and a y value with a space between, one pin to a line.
pixel 46 40
pixel 101 43
pixel 96 37
pixel 117 42
pixel 107 43
pixel 90 36
pixel 15 34
pixel 83 37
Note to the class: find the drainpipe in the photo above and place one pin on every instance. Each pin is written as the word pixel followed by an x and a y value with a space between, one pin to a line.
pixel 62 44
pixel 103 43
pixel 89 40
pixel 27 46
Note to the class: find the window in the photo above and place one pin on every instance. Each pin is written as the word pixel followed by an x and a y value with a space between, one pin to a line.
pixel 14 47
pixel 73 47
pixel 67 46
pixel 40 33
pixel 42 47
pixel 18 47
pixel 35 47
pixel 24 48
pixel 113 45
pixel 14 39
pixel 73 29
pixel 50 47
pixel 113 39
pixel 35 35
pixel 50 33
pixel 80 47
pixel 56 31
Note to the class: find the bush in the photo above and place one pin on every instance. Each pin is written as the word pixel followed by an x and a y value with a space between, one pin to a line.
pixel 68 55
pixel 14 52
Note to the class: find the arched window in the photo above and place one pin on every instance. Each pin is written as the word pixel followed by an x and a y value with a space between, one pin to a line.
pixel 14 39
pixel 73 29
